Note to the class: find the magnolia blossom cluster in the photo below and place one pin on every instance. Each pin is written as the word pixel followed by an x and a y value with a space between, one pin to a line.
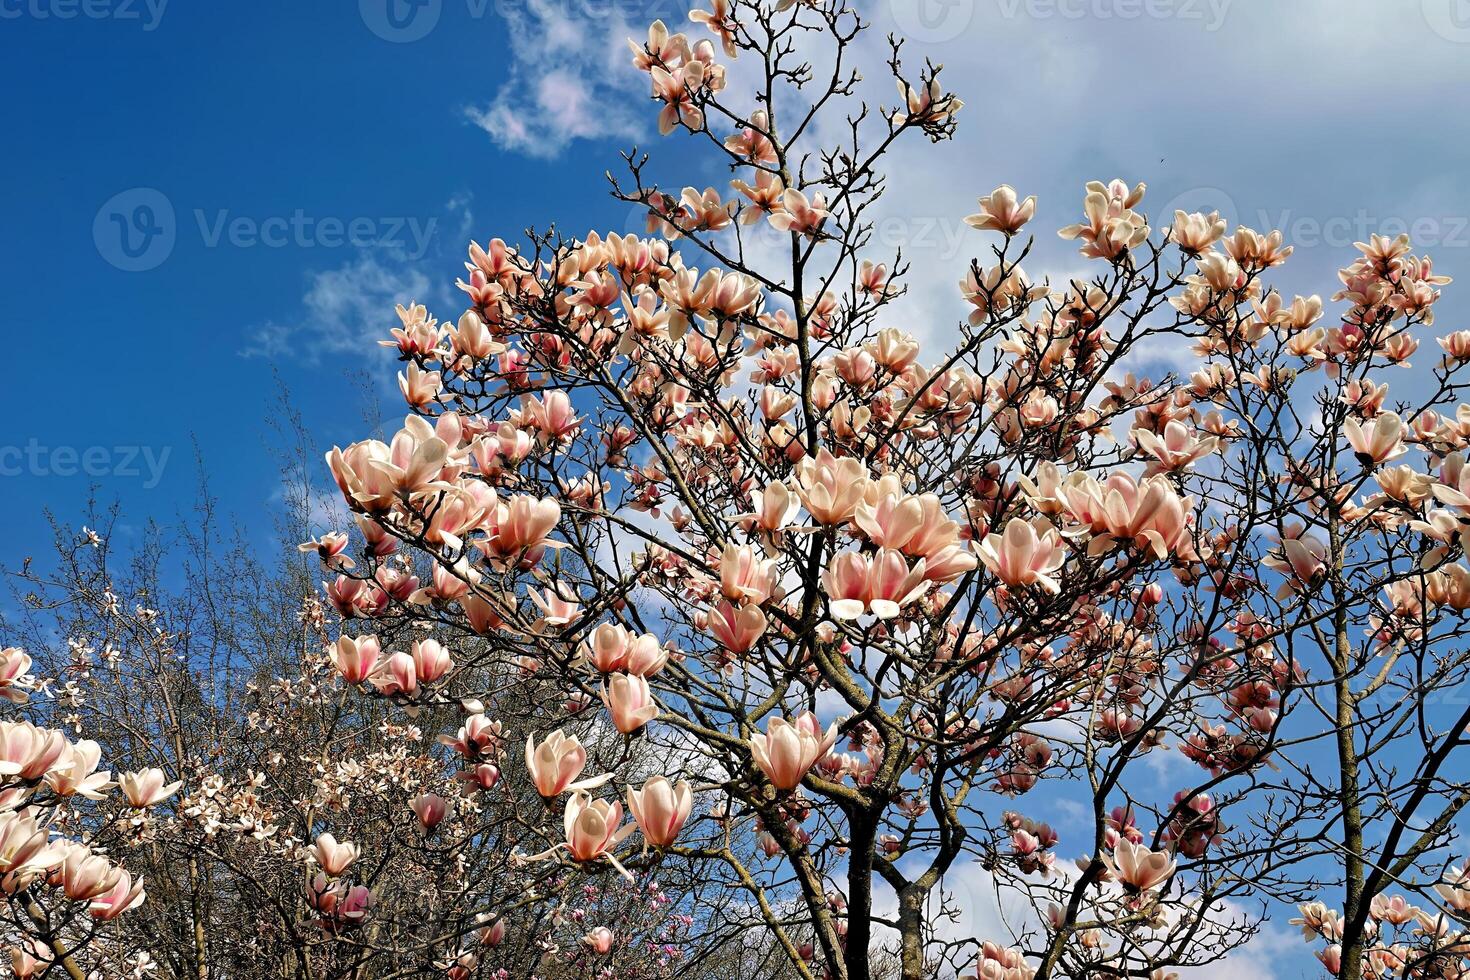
pixel 1405 939
pixel 729 516
pixel 49 785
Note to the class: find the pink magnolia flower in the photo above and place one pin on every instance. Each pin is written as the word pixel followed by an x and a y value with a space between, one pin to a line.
pixel 483 776
pixel 881 584
pixel 397 675
pixel 999 963
pixel 646 656
pixel 1331 958
pixel 341 907
pixel 552 416
pixel 1110 227
pixel 124 894
pixel 1022 557
pixel 1001 211
pixel 85 875
pixel 629 701
pixel 431 809
pixel 25 847
pixel 418 460
pixel 737 629
pixel 1177 450
pixel 606 648
pixel 15 665
pixel 831 488
pixel 519 528
pixel 1454 888
pixel 599 940
pixel 673 90
pixel 329 548
pixel 431 660
pixel 355 657
pixel 611 648
pixel 660 809
pixel 75 772
pixel 460 510
pixel 787 750
pixel 333 857
pixel 1303 559
pixel 492 935
pixel 477 736
pixel 1149 514
pixel 593 827
pixel 481 614
pixel 472 338
pixel 745 577
pixel 1378 443
pixel 27 751
pixel 917 526
pixel 1138 867
pixel 27 961
pixel 775 510
pixel 555 764
pixel 146 788
pixel 798 214
pixel 363 484
pixel 420 388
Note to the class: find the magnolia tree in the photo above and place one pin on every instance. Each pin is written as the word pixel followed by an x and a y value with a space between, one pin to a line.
pixel 60 815
pixel 693 563
pixel 894 606
pixel 283 827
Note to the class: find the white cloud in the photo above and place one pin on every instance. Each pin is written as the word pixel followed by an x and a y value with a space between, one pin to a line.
pixel 348 308
pixel 1260 959
pixel 345 309
pixel 569 78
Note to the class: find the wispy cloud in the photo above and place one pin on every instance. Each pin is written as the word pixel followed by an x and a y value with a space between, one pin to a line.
pixel 346 308
pixel 569 78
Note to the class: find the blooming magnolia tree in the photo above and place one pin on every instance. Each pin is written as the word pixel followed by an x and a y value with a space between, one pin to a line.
pixel 59 817
pixel 696 562
pixel 889 604
pixel 283 827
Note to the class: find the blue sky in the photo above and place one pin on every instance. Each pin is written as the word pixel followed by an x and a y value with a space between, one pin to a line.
pixel 199 197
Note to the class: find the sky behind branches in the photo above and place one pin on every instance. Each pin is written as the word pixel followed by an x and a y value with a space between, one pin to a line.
pixel 205 204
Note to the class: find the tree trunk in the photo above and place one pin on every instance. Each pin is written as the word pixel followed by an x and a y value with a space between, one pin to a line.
pixel 860 896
